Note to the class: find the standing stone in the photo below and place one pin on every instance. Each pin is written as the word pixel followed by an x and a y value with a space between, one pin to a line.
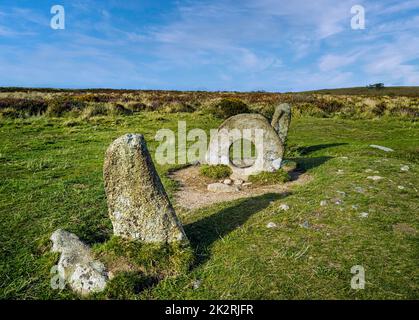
pixel 139 207
pixel 281 121
pixel 269 147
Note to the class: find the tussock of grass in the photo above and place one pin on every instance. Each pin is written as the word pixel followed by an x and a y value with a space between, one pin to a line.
pixel 135 266
pixel 158 260
pixel 216 172
pixel 288 165
pixel 266 178
pixel 227 108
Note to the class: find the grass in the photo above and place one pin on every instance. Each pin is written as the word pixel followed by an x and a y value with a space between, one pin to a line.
pixel 265 178
pixel 51 177
pixel 215 172
pixel 137 266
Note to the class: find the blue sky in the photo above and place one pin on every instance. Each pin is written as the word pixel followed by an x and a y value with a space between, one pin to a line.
pixel 243 45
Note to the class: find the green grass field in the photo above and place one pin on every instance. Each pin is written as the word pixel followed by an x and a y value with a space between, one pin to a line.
pixel 51 177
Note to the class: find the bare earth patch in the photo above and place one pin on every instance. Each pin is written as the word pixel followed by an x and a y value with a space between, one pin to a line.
pixel 193 193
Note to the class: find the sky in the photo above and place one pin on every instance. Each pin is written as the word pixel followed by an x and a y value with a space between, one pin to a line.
pixel 240 45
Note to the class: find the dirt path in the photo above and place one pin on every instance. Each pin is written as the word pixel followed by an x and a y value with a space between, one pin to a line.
pixel 193 193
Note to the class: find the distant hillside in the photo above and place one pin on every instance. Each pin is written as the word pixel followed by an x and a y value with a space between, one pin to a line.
pixel 386 91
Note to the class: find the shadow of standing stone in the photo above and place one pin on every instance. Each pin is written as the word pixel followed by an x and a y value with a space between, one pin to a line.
pixel 139 207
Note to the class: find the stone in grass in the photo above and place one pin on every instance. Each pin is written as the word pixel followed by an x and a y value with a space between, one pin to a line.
pixel 76 266
pixel 271 225
pixel 381 148
pixel 404 168
pixel 363 214
pixel 337 201
pixel 359 189
pixel 284 207
pixel 138 205
pixel 323 203
pixel 228 181
pixel 305 225
pixel 196 284
pixel 401 187
pixel 221 187
pixel 375 178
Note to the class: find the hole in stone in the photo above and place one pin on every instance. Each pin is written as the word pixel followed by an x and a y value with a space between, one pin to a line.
pixel 242 153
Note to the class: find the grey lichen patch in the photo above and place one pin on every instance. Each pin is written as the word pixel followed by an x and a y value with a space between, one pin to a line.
pixel 139 207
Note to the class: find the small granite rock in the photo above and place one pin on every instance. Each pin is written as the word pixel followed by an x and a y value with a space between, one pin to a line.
pixel 76 266
pixel 305 225
pixel 238 182
pixel 374 178
pixel 221 187
pixel 284 207
pixel 404 168
pixel 271 225
pixel 401 187
pixel 363 214
pixel 323 203
pixel 381 148
pixel 359 189
pixel 196 284
pixel 228 181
